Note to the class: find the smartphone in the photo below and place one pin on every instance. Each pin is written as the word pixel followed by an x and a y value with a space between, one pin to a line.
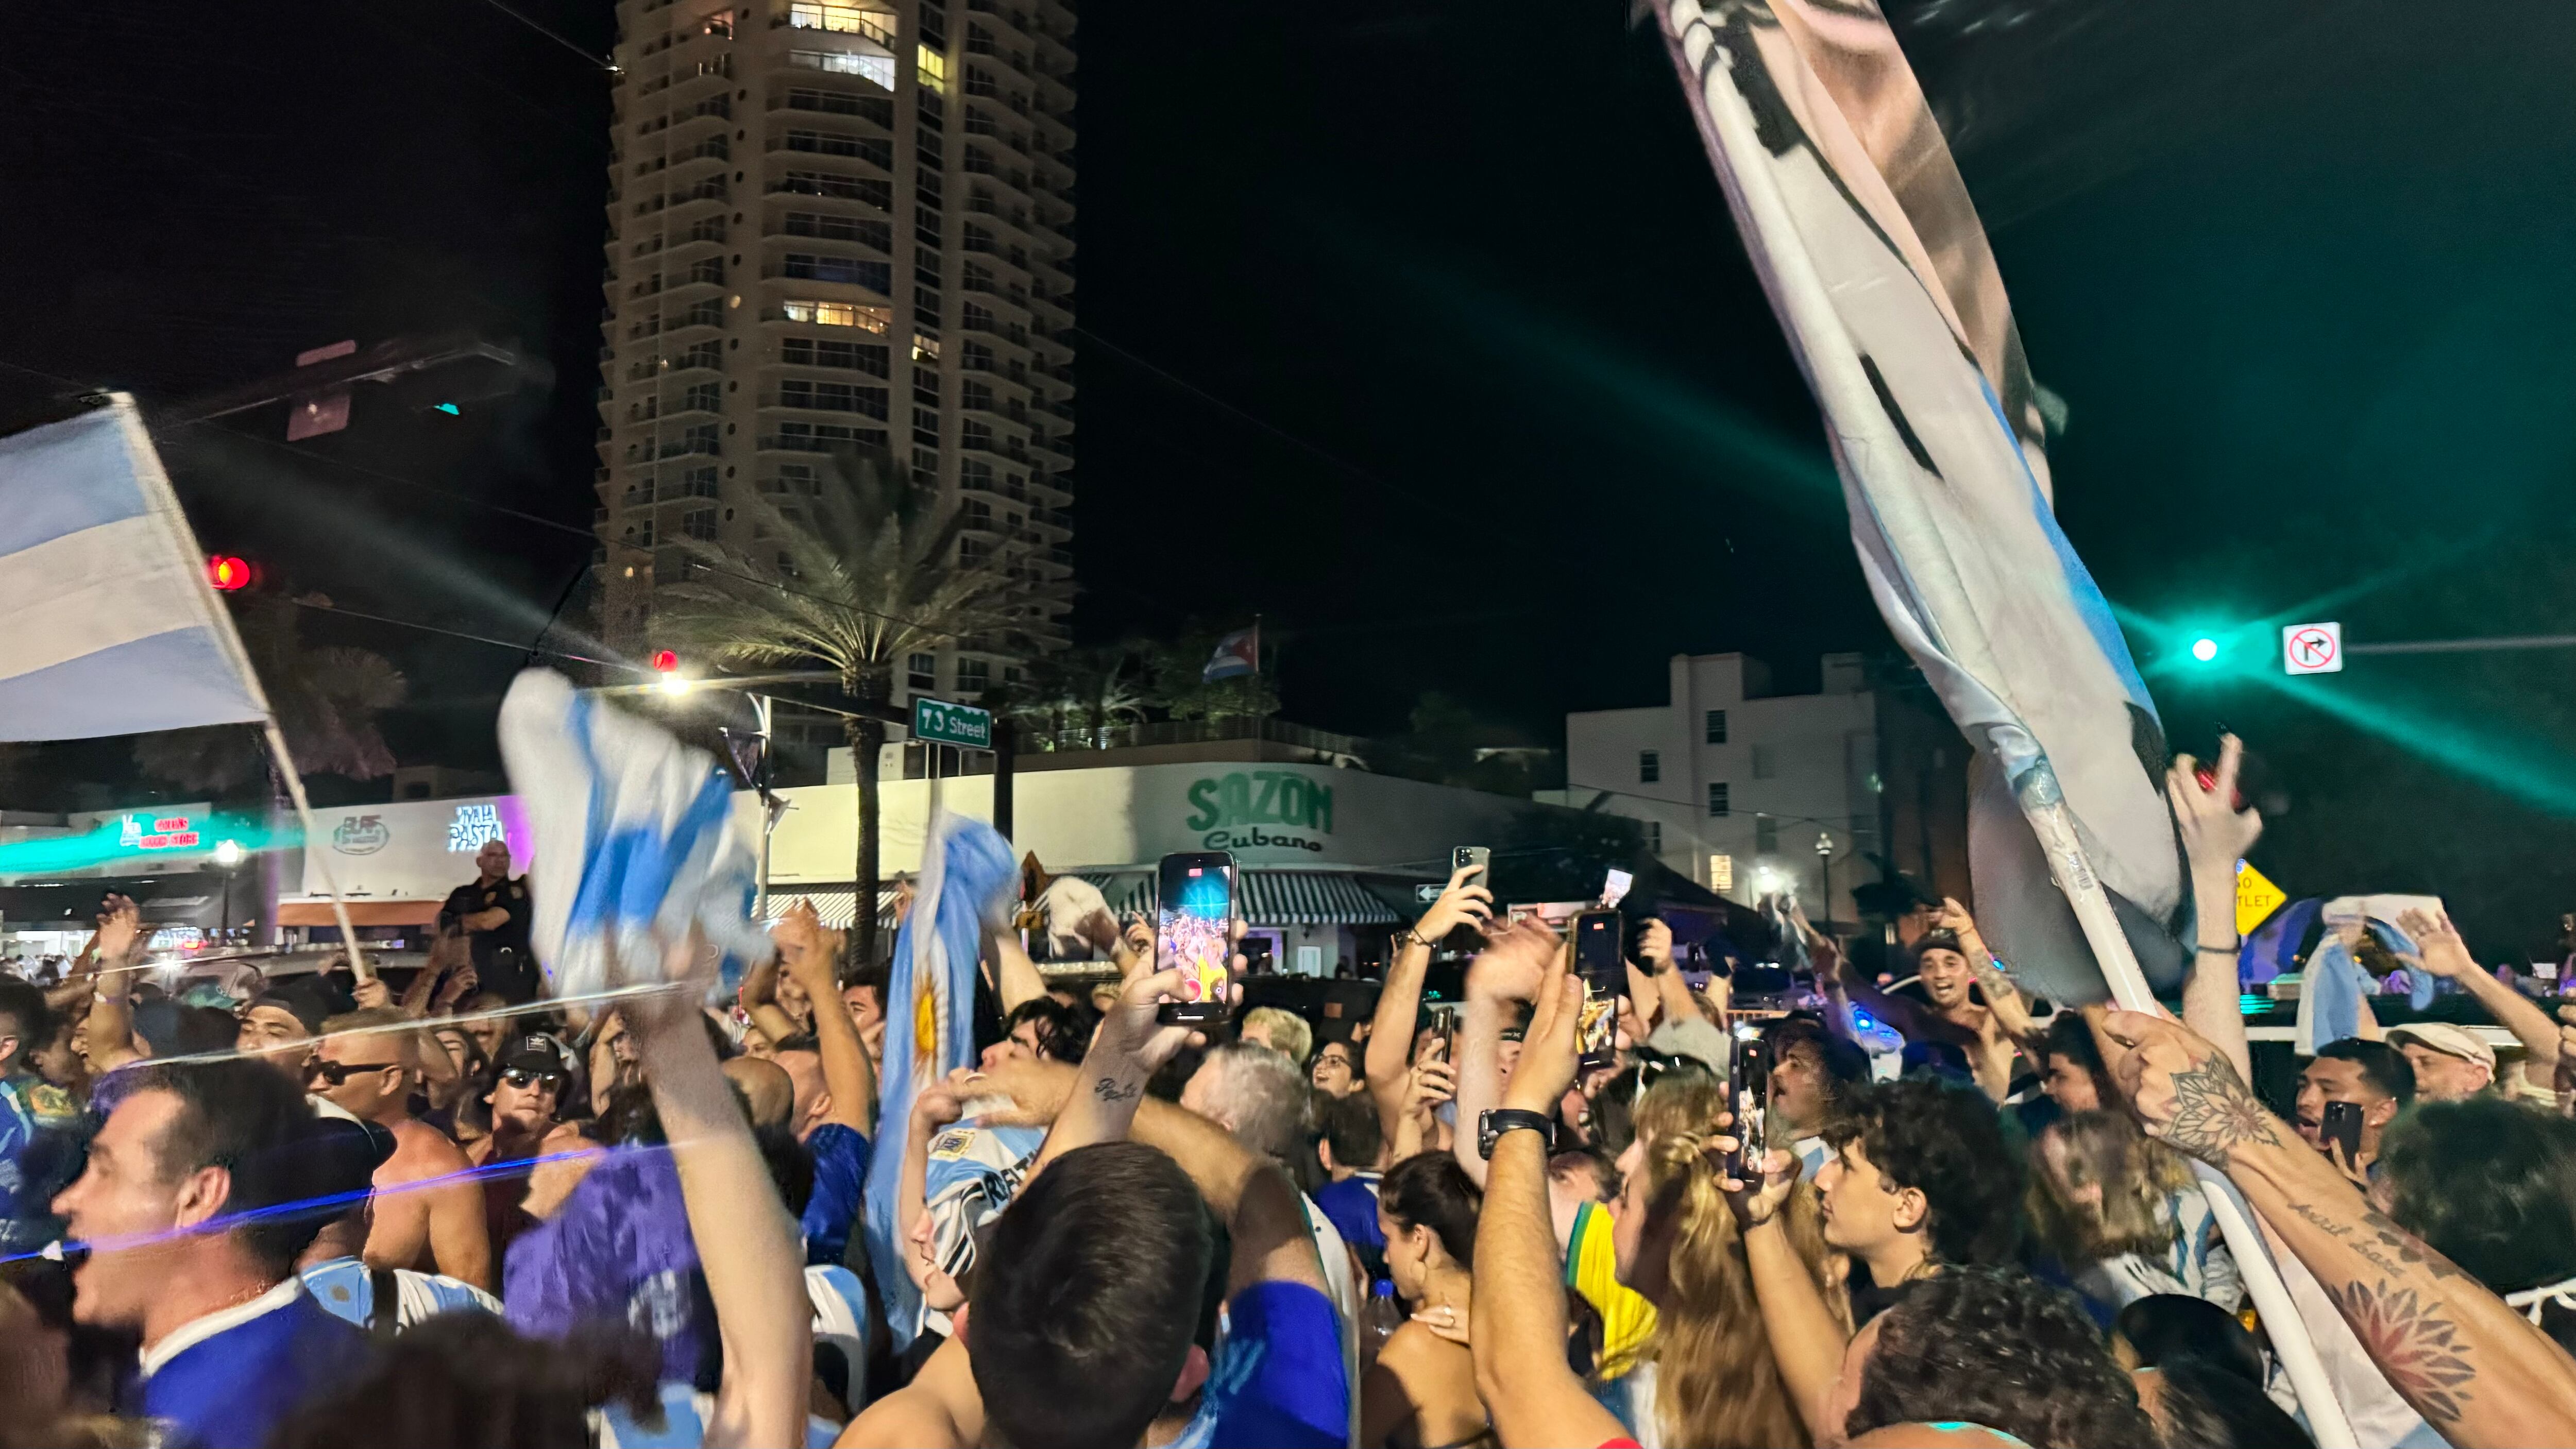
pixel 2342 1123
pixel 1443 1024
pixel 1749 1098
pixel 1475 858
pixel 1605 980
pixel 1196 895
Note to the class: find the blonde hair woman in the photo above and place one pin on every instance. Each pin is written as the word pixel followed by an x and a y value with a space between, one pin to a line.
pixel 1707 1377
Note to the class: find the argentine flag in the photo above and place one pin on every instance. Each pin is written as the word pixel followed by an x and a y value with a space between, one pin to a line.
pixel 108 625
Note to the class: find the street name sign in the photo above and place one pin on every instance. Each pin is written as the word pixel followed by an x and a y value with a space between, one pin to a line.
pixel 940 722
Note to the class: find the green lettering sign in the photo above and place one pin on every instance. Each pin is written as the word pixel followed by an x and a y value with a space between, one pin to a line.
pixel 1259 797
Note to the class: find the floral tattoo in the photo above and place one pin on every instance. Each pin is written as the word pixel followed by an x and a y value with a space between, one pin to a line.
pixel 2213 1112
pixel 2418 1350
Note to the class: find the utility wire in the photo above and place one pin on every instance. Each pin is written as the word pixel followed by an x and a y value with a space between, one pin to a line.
pixel 1212 400
pixel 552 35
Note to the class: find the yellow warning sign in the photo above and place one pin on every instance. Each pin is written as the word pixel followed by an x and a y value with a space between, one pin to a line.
pixel 2256 898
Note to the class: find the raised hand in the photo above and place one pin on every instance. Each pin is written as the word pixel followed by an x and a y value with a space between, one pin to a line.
pixel 2215 834
pixel 2184 1091
pixel 2444 953
pixel 1655 947
pixel 1514 963
pixel 1461 904
pixel 120 930
pixel 1756 1201
pixel 1434 1082
pixel 1548 1052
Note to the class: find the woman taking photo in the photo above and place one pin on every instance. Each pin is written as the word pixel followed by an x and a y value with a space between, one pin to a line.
pixel 1707 1377
pixel 1421 1394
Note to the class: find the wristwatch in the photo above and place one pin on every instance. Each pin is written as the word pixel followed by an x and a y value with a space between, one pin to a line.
pixel 1493 1122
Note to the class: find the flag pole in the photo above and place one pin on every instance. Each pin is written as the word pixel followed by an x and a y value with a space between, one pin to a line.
pixel 2045 807
pixel 313 842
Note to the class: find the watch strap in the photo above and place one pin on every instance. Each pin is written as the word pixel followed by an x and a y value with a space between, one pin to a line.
pixel 1496 1121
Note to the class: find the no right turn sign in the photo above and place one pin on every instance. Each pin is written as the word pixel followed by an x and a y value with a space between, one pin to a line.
pixel 2312 649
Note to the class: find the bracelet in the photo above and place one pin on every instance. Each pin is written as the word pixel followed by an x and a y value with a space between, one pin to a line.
pixel 1407 938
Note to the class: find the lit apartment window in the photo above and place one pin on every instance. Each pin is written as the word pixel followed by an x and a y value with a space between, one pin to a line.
pixel 877 68
pixel 838 314
pixel 1717 727
pixel 848 19
pixel 1717 797
pixel 1650 767
pixel 934 71
pixel 1721 873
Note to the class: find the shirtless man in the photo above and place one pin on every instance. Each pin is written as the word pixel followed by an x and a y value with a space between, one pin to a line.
pixel 365 1064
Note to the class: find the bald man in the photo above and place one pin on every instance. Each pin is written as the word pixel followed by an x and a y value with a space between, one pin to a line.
pixel 428 1215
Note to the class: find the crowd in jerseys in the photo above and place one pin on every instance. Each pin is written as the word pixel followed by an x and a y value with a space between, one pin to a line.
pixel 321 1213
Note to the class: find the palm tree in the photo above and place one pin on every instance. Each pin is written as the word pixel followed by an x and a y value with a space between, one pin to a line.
pixel 1084 693
pixel 853 580
pixel 327 700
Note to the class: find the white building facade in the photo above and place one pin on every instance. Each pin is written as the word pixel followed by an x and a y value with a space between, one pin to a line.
pixel 1738 785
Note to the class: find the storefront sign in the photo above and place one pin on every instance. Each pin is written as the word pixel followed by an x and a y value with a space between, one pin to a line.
pixel 360 835
pixel 1231 809
pixel 157 832
pixel 472 827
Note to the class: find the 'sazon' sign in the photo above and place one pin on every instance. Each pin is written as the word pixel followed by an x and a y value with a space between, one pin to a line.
pixel 1231 809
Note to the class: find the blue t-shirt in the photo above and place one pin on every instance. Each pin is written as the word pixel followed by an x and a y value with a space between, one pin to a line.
pixel 1279 1381
pixel 1351 1206
pixel 840 1179
pixel 234 1386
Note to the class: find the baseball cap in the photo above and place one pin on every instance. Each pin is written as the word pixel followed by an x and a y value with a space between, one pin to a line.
pixel 535 1052
pixel 2443 1037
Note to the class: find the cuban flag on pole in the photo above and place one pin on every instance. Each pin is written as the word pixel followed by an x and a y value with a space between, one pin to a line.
pixel 1237 654
pixel 968 879
pixel 108 625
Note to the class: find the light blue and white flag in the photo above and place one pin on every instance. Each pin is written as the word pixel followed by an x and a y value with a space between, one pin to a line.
pixel 968 876
pixel 633 841
pixel 108 625
pixel 1855 217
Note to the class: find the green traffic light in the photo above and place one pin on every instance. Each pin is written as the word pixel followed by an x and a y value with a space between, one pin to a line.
pixel 2204 649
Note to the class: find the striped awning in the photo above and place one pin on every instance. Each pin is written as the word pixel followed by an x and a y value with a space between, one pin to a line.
pixel 1270 897
pixel 832 904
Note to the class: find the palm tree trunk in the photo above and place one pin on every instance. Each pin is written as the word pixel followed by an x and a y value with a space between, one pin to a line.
pixel 867 742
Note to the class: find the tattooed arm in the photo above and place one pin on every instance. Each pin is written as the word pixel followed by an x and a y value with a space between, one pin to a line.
pixel 2477 1371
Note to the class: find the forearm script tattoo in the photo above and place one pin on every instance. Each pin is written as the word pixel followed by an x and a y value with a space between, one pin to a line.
pixel 2213 1112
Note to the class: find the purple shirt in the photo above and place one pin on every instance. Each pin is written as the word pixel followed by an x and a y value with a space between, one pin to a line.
pixel 618 1251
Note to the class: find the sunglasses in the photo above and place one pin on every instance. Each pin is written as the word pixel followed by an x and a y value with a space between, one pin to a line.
pixel 523 1079
pixel 338 1073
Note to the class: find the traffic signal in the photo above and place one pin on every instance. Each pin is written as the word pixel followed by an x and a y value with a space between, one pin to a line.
pixel 665 661
pixel 2205 649
pixel 230 574
pixel 449 408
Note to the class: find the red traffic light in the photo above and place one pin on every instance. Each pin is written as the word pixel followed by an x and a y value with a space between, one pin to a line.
pixel 228 573
pixel 665 661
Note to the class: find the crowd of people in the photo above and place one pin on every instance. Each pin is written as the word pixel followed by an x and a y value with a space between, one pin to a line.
pixel 318 1211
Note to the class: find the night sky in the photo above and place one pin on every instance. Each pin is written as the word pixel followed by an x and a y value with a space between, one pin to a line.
pixel 1422 331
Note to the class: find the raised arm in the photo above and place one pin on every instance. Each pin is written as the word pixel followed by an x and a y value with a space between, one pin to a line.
pixel 759 997
pixel 1517 1319
pixel 2480 1373
pixel 2215 836
pixel 1497 983
pixel 846 1073
pixel 1017 978
pixel 1387 1063
pixel 1672 993
pixel 933 1107
pixel 110 1028
pixel 747 1245
pixel 2446 955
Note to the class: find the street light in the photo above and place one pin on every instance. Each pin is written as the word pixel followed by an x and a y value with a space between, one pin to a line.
pixel 228 858
pixel 1825 864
